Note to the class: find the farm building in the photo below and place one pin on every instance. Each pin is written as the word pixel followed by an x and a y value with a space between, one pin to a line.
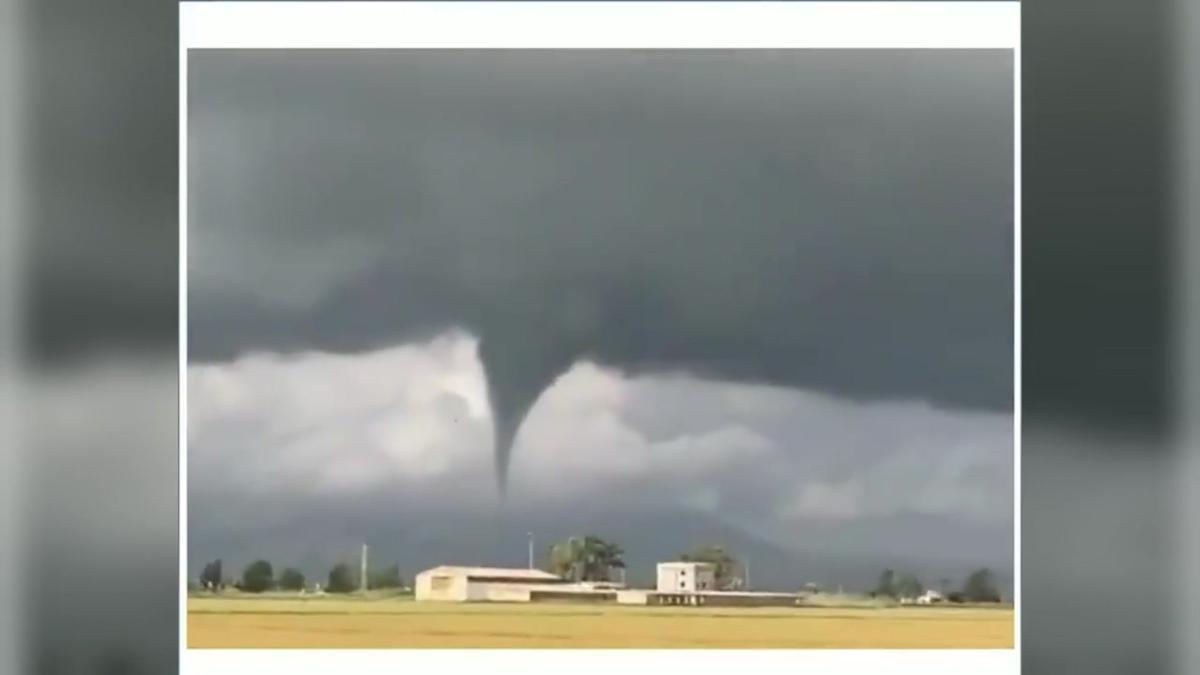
pixel 686 577
pixel 472 584
pixel 930 597
pixel 679 583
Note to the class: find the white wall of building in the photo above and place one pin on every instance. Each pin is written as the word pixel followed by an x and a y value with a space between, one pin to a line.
pixel 686 577
pixel 444 587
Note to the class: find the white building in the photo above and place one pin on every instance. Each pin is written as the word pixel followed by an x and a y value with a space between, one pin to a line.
pixel 679 583
pixel 447 583
pixel 686 577
pixel 930 597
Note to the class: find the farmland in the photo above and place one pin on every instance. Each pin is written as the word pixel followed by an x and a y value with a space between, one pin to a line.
pixel 397 622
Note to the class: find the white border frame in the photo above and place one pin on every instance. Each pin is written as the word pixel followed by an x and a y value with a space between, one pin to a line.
pixel 616 25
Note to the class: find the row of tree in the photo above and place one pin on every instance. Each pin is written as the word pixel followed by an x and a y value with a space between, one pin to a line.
pixel 259 576
pixel 980 586
pixel 584 558
pixel 587 558
pixel 590 558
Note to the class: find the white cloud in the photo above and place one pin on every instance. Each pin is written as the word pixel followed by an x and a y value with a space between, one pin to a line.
pixel 337 423
pixel 414 420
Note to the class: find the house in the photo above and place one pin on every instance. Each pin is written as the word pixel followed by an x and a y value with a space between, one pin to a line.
pixel 686 577
pixel 930 597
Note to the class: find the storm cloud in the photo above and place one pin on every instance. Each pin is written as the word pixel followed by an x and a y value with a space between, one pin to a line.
pixel 768 293
pixel 835 220
pixel 304 456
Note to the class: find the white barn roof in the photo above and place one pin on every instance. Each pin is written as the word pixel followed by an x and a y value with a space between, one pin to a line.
pixel 499 573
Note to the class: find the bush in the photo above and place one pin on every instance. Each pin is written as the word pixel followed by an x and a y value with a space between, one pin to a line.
pixel 341 579
pixel 257 577
pixel 210 578
pixel 388 577
pixel 908 586
pixel 981 587
pixel 291 579
pixel 886 588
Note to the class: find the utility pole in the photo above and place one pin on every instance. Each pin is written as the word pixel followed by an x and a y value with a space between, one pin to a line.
pixel 362 572
pixel 530 535
pixel 747 572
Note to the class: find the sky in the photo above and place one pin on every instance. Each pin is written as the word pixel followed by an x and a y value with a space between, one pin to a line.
pixel 441 299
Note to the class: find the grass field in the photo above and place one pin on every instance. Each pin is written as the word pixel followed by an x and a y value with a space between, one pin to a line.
pixel 383 623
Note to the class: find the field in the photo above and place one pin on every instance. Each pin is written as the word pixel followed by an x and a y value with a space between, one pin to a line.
pixel 383 623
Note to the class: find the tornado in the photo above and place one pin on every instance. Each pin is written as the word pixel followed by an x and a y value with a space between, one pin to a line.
pixel 519 366
pixel 839 221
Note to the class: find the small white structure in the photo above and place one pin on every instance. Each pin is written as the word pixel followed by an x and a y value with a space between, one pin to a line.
pixel 686 577
pixel 930 597
pixel 633 596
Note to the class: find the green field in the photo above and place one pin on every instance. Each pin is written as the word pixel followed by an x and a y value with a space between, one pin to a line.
pixel 291 622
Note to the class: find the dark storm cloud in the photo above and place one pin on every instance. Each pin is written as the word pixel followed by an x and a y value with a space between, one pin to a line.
pixel 834 220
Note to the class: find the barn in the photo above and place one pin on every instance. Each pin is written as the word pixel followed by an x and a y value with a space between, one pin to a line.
pixel 448 583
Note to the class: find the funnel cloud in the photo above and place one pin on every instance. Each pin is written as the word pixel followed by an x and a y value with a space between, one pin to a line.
pixel 832 221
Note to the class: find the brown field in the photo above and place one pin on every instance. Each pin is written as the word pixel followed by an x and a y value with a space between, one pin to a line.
pixel 394 622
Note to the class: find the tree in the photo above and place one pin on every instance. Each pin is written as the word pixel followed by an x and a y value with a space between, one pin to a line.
pixel 887 584
pixel 341 579
pixel 210 577
pixel 981 587
pixel 565 557
pixel 388 577
pixel 257 577
pixel 291 579
pixel 908 586
pixel 602 557
pixel 587 558
pixel 725 564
